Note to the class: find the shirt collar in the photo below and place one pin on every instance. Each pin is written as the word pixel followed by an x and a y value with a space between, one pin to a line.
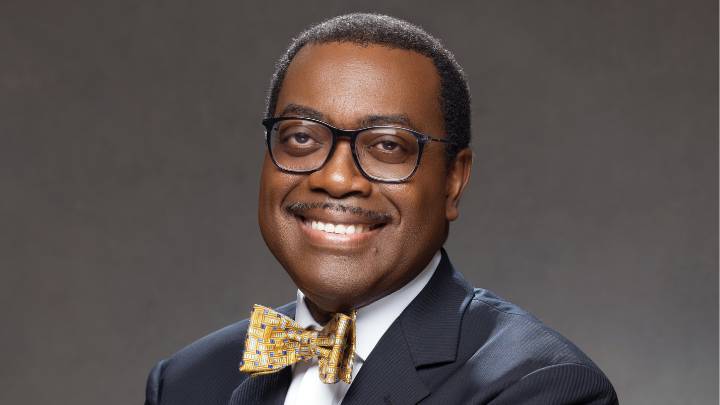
pixel 374 319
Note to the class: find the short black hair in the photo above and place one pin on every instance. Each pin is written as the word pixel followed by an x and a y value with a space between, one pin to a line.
pixel 365 29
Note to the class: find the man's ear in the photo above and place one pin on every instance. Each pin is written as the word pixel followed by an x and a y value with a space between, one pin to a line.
pixel 457 178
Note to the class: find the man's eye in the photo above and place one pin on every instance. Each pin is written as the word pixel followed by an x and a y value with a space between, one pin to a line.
pixel 297 139
pixel 388 145
pixel 300 138
pixel 298 142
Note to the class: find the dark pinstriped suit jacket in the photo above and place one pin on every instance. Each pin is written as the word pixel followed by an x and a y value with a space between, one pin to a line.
pixel 452 345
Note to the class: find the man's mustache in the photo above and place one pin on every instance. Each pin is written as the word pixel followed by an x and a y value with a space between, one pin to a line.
pixel 300 208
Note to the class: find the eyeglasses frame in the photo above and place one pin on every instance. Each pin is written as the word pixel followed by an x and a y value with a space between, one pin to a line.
pixel 422 140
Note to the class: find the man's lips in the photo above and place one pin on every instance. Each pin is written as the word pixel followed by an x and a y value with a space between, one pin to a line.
pixel 342 224
pixel 337 235
pixel 332 224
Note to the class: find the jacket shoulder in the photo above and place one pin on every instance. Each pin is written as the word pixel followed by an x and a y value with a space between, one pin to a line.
pixel 504 348
pixel 499 325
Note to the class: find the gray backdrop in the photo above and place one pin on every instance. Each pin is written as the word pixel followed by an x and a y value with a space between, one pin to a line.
pixel 131 148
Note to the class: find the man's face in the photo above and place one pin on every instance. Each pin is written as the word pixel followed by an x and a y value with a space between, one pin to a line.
pixel 349 87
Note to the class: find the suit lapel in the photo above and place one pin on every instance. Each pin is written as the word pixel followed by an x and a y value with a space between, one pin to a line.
pixel 388 376
pixel 426 333
pixel 267 389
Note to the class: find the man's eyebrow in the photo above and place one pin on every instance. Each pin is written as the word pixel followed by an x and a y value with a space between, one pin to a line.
pixel 368 121
pixel 302 111
pixel 387 119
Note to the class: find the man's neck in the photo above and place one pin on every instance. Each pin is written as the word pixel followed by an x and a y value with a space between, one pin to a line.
pixel 322 317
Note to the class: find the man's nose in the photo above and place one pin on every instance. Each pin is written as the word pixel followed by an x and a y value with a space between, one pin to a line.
pixel 339 177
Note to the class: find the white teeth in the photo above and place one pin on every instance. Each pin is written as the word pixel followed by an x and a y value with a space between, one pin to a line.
pixel 340 229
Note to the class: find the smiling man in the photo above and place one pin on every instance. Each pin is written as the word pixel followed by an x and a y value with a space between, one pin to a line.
pixel 367 131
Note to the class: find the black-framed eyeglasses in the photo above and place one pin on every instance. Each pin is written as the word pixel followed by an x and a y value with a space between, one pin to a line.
pixel 386 154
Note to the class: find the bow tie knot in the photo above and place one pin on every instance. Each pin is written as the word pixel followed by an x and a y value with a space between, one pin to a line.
pixel 275 341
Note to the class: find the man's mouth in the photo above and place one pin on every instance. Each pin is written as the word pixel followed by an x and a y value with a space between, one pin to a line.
pixel 340 229
pixel 334 223
pixel 340 234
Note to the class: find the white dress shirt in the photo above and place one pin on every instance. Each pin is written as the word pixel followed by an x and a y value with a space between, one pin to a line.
pixel 372 322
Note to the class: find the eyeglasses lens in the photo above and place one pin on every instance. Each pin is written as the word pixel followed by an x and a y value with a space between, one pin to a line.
pixel 299 145
pixel 387 153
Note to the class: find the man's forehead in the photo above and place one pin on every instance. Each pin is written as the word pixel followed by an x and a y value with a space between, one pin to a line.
pixel 354 85
pixel 403 60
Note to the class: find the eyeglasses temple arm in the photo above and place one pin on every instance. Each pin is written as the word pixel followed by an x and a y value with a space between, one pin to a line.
pixel 440 140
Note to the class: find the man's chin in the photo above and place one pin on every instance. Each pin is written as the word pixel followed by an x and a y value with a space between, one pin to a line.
pixel 336 289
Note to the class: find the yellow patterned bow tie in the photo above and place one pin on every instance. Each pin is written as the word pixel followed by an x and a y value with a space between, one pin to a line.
pixel 275 341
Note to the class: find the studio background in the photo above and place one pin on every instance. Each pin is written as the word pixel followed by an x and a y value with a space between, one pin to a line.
pixel 131 149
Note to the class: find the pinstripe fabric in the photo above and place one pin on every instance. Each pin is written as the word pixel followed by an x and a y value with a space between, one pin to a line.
pixel 275 341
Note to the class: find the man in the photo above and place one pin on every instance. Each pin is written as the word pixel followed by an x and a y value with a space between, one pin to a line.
pixel 368 126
